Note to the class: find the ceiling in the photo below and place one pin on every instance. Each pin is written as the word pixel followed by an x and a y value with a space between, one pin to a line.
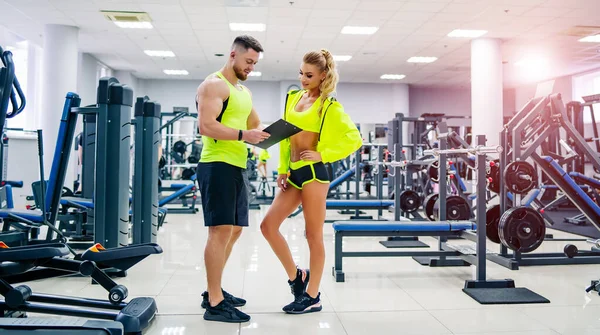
pixel 195 30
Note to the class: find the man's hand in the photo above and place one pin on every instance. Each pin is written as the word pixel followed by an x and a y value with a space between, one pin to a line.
pixel 282 182
pixel 308 155
pixel 254 136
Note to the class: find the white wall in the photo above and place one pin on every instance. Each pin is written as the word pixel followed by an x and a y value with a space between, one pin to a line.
pixel 562 85
pixel 439 100
pixel 127 78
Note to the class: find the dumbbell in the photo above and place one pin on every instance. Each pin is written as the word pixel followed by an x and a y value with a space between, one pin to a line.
pixel 571 250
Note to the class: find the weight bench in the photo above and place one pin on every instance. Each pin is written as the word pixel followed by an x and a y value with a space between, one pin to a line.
pixel 88 204
pixel 359 204
pixel 393 228
pixel 181 194
pixel 353 204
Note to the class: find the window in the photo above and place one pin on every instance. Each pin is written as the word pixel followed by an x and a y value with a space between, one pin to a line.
pixel 24 58
pixel 584 85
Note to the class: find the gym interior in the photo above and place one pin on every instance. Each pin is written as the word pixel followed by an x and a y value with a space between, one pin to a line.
pixel 472 206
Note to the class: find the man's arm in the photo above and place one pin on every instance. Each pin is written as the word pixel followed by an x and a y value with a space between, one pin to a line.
pixel 211 94
pixel 253 120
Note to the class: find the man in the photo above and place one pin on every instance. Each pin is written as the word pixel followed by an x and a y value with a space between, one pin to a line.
pixel 226 119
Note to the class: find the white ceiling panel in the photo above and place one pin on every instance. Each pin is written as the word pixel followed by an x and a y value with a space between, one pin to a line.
pixel 387 6
pixel 547 11
pixel 423 6
pixel 404 16
pixel 336 5
pixel 79 5
pixel 247 14
pixel 286 3
pixel 468 10
pixel 197 29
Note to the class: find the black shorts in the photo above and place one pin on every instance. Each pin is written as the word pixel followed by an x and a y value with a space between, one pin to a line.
pixel 307 174
pixel 224 194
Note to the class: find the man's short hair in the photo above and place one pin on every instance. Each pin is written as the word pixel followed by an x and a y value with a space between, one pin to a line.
pixel 247 42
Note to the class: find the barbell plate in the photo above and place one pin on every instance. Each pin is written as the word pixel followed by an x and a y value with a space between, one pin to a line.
pixel 522 229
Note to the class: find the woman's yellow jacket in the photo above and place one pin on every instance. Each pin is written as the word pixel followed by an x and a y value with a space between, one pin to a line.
pixel 338 137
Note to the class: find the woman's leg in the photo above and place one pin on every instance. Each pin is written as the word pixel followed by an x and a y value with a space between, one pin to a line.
pixel 262 168
pixel 283 205
pixel 314 196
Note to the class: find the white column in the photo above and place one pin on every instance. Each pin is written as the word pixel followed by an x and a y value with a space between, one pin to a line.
pixel 486 89
pixel 401 104
pixel 59 76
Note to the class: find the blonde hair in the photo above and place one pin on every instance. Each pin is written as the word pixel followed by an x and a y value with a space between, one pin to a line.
pixel 324 61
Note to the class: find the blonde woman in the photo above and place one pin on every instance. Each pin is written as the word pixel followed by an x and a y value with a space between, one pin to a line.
pixel 328 135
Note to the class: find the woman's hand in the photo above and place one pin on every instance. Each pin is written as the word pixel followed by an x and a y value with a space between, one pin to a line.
pixel 308 155
pixel 282 182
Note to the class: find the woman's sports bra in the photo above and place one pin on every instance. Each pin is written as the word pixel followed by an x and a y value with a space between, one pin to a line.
pixel 308 120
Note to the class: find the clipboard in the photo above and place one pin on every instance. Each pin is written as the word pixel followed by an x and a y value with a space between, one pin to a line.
pixel 279 131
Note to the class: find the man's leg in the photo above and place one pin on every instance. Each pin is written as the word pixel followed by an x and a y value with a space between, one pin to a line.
pixel 236 232
pixel 215 256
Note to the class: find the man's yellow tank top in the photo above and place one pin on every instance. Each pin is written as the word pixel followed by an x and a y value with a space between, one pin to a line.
pixel 235 112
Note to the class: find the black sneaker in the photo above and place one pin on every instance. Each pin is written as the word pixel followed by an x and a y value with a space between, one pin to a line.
pixel 304 304
pixel 225 312
pixel 234 301
pixel 298 286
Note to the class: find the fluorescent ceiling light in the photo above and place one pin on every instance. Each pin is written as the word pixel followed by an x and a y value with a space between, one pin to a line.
pixel 422 59
pixel 176 72
pixel 393 76
pixel 467 33
pixel 247 26
pixel 261 55
pixel 591 39
pixel 341 58
pixel 255 74
pixel 134 25
pixel 353 30
pixel 159 53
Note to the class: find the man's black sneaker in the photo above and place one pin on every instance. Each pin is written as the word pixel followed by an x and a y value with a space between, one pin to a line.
pixel 225 312
pixel 298 285
pixel 234 301
pixel 304 304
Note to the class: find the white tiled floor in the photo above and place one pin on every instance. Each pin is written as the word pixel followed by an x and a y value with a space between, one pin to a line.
pixel 380 295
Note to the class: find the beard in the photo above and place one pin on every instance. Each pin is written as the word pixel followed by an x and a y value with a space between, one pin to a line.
pixel 239 73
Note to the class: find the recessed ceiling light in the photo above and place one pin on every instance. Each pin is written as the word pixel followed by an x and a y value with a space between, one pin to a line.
pixel 261 55
pixel 134 25
pixel 341 58
pixel 418 59
pixel 255 74
pixel 353 30
pixel 159 53
pixel 591 39
pixel 247 26
pixel 467 33
pixel 176 72
pixel 393 76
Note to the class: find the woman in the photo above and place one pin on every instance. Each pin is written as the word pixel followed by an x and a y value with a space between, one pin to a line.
pixel 262 162
pixel 328 135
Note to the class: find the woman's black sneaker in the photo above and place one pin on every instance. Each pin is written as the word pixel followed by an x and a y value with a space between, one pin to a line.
pixel 234 301
pixel 299 284
pixel 225 312
pixel 304 304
